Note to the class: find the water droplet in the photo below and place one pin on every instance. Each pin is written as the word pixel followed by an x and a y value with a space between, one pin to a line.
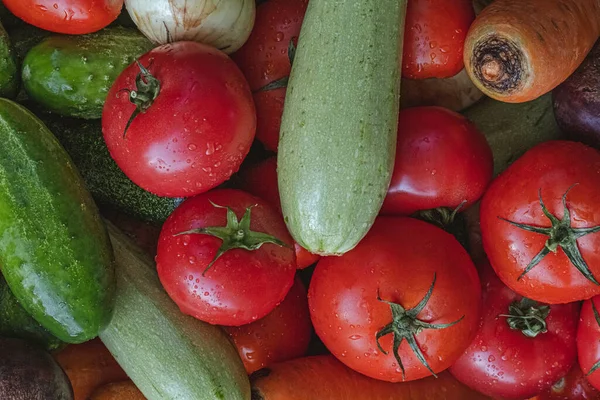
pixel 279 36
pixel 355 337
pixel 55 5
pixel 432 44
pixel 417 28
pixel 432 56
pixel 41 7
pixel 445 49
pixel 192 260
pixel 191 147
pixel 210 148
pixel 491 358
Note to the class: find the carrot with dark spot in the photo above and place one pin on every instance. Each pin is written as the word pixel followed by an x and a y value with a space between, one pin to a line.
pixel 516 52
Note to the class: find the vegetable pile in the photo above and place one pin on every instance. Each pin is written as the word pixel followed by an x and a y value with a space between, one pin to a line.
pixel 299 199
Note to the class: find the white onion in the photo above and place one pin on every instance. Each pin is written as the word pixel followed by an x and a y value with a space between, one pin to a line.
pixel 224 24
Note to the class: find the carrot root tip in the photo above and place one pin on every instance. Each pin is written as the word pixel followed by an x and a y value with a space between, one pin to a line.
pixel 499 64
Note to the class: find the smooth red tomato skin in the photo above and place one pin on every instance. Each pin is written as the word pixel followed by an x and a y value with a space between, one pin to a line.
pixel 504 363
pixel 198 130
pixel 242 286
pixel 573 386
pixel 73 17
pixel 284 334
pixel 551 167
pixel 399 257
pixel 434 38
pixel 261 180
pixel 588 341
pixel 441 161
pixel 264 60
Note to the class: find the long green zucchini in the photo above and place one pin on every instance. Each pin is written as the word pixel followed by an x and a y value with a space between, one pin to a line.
pixel 168 355
pixel 339 125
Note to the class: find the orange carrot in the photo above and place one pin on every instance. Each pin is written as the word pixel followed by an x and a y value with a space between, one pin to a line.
pixel 518 50
pixel 124 390
pixel 324 377
pixel 88 366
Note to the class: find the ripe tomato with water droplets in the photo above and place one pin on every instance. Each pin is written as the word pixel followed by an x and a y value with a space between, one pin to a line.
pixel 402 304
pixel 225 257
pixel 74 17
pixel 265 61
pixel 540 223
pixel 261 180
pixel 573 386
pixel 588 340
pixel 522 347
pixel 434 38
pixel 282 335
pixel 181 121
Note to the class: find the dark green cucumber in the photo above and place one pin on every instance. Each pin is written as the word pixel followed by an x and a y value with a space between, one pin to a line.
pixel 85 144
pixel 71 75
pixel 340 121
pixel 9 78
pixel 54 249
pixel 512 129
pixel 15 322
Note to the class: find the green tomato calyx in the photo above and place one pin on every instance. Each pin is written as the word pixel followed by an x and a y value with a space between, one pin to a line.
pixel 147 90
pixel 527 316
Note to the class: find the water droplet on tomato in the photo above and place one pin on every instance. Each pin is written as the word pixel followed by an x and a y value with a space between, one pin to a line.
pixel 432 56
pixel 210 148
pixel 41 7
pixel 55 5
pixel 191 277
pixel 432 44
pixel 445 49
pixel 279 36
pixel 192 260
pixel 458 30
pixel 417 28
pixel 69 14
pixel 355 337
pixel 491 358
pixel 191 147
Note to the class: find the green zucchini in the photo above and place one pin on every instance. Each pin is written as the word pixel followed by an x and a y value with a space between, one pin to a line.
pixel 15 322
pixel 71 74
pixel 167 354
pixel 9 78
pixel 55 253
pixel 339 125
pixel 512 129
pixel 85 144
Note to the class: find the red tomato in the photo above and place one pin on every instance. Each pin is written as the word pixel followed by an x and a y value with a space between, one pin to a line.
pixel 573 386
pixel 195 134
pixel 399 261
pixel 239 286
pixel 588 340
pixel 509 359
pixel 264 59
pixel 434 37
pixel 551 258
pixel 282 335
pixel 67 16
pixel 442 160
pixel 261 180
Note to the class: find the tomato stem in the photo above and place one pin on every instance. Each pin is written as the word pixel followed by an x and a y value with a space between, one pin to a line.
pixel 281 82
pixel 528 317
pixel 406 325
pixel 147 90
pixel 560 234
pixel 235 235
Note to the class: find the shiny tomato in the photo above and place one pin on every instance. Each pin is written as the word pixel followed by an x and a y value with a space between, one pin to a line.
pixel 573 386
pixel 66 16
pixel 196 121
pixel 266 62
pixel 225 257
pixel 261 180
pixel 282 335
pixel 435 36
pixel 522 347
pixel 442 160
pixel 588 340
pixel 407 291
pixel 540 223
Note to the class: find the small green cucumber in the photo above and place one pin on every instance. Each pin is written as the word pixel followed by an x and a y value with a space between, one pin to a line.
pixel 15 322
pixel 71 74
pixel 9 78
pixel 339 125
pixel 167 354
pixel 55 253
pixel 85 144
pixel 512 129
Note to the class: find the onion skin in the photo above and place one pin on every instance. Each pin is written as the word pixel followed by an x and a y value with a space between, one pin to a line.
pixel 224 24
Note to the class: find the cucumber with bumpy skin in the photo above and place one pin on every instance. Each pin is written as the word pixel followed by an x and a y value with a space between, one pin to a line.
pixel 9 78
pixel 339 125
pixel 167 354
pixel 55 253
pixel 71 74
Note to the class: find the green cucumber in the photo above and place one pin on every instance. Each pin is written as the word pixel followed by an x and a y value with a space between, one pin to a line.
pixel 71 74
pixel 15 322
pixel 339 124
pixel 512 129
pixel 167 354
pixel 55 253
pixel 85 144
pixel 9 78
